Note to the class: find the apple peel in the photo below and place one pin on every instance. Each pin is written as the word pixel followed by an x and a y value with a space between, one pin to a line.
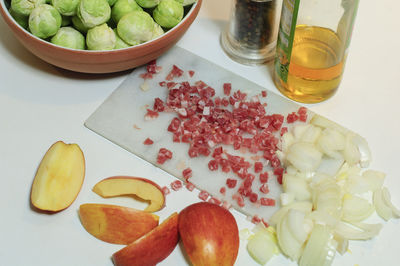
pixel 143 188
pixel 116 224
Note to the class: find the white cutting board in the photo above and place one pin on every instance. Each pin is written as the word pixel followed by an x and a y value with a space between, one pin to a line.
pixel 121 120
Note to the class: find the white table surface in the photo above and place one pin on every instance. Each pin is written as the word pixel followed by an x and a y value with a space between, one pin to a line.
pixel 40 104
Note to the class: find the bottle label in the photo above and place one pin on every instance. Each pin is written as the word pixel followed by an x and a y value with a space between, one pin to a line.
pixel 287 28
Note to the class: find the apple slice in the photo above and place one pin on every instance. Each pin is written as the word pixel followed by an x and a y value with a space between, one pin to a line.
pixel 59 177
pixel 209 234
pixel 116 224
pixel 153 247
pixel 128 185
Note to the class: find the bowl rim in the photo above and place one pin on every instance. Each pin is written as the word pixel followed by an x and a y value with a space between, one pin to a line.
pixel 171 31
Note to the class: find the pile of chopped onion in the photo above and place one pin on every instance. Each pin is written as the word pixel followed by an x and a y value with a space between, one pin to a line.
pixel 327 196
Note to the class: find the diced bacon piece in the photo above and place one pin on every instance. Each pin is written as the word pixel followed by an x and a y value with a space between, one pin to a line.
pixel 193 152
pixel 148 141
pixel 176 185
pixel 222 190
pixel 258 167
pixel 255 219
pixel 225 102
pixel 146 76
pixel 217 152
pixel 253 197
pixel 213 165
pixel 292 117
pixel 176 137
pixel 204 151
pixel 227 88
pixel 158 105
pixel 170 85
pixel 150 115
pixel 264 94
pixel 174 125
pixel 239 200
pixel 174 73
pixel 264 177
pixel 165 190
pixel 264 188
pixel 190 186
pixel 277 121
pixel 265 223
pixel 302 111
pixel 191 73
pixel 187 173
pixel 214 201
pixel 203 195
pixel 231 183
pixel 283 131
pixel 162 83
pixel 267 202
pixel 163 155
pixel 153 68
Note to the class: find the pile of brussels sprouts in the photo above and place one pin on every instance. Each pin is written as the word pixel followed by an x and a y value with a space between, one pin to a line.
pixel 98 24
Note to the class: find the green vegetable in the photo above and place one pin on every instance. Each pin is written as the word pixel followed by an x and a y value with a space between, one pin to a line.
pixel 44 21
pixel 101 38
pixel 136 27
pixel 119 42
pixel 123 7
pixel 22 20
pixel 66 7
pixel 69 37
pixel 168 13
pixel 25 7
pixel 93 12
pixel 148 3
pixel 157 31
pixel 78 24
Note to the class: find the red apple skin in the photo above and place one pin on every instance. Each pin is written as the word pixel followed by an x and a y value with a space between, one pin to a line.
pixel 152 248
pixel 209 234
pixel 116 224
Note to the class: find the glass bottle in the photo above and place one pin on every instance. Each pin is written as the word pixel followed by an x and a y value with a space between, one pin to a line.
pixel 251 35
pixel 313 41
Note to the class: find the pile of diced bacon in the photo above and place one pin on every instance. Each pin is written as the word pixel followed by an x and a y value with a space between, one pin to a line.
pixel 208 124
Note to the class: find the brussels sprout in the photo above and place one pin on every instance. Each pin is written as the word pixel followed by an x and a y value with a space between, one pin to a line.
pixel 25 7
pixel 69 37
pixel 65 21
pixel 119 42
pixel 188 2
pixel 148 3
pixel 93 12
pixel 78 24
pixel 123 7
pixel 101 38
pixel 44 21
pixel 66 7
pixel 111 2
pixel 22 20
pixel 136 27
pixel 168 13
pixel 157 31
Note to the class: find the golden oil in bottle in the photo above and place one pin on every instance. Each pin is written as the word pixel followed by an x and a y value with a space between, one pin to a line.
pixel 310 58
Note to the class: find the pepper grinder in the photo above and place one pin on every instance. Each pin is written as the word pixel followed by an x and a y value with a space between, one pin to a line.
pixel 251 35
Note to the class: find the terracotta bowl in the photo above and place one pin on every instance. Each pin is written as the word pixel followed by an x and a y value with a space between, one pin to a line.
pixel 86 61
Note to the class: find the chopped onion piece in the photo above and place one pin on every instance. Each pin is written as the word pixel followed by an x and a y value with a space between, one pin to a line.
pixel 296 186
pixel 244 234
pixel 320 249
pixel 330 166
pixel 324 122
pixel 311 134
pixel 374 179
pixel 328 197
pixel 288 243
pixel 298 225
pixel 342 244
pixel 357 231
pixel 262 246
pixel 356 184
pixel 286 141
pixel 321 217
pixel 351 153
pixel 383 204
pixel 331 142
pixel 363 148
pixel 299 130
pixel 286 198
pixel 356 209
pixel 304 206
pixel 304 156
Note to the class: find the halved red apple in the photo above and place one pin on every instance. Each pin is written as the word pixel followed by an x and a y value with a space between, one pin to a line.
pixel 116 224
pixel 209 234
pixel 153 247
pixel 128 185
pixel 59 177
